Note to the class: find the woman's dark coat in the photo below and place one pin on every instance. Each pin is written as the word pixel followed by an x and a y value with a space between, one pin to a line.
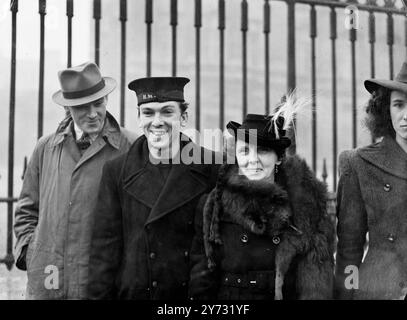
pixel 296 244
pixel 142 236
pixel 372 197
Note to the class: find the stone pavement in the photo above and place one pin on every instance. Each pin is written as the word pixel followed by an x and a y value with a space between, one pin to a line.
pixel 12 283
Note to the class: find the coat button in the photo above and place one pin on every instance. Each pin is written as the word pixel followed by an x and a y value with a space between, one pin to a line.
pixel 391 237
pixel 387 187
pixel 186 254
pixel 244 238
pixel 239 280
pixel 154 284
pixel 152 255
pixel 276 240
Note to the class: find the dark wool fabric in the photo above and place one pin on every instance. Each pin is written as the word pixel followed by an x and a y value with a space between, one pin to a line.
pixel 275 239
pixel 144 226
pixel 372 199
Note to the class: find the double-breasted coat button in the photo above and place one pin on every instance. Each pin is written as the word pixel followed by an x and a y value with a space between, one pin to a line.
pixel 154 284
pixel 244 238
pixel 391 237
pixel 152 255
pixel 387 187
pixel 239 280
pixel 276 240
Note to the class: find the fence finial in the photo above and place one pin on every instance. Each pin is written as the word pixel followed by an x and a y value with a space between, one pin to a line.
pixel 245 21
pixel 390 4
pixel 313 22
pixel 42 5
pixel 123 10
pixel 266 27
pixel 372 3
pixel 69 8
pixel 174 13
pixel 97 10
pixel 14 5
pixel 149 11
pixel 222 15
pixel 198 14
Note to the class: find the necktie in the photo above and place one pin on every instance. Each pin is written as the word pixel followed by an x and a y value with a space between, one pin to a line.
pixel 84 142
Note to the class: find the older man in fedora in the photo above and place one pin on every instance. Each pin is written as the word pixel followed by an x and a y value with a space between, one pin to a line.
pixel 144 219
pixel 53 217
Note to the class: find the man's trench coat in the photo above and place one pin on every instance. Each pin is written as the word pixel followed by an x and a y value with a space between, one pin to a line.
pixel 144 226
pixel 54 212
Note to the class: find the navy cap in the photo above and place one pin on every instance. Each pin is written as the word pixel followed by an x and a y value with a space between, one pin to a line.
pixel 159 89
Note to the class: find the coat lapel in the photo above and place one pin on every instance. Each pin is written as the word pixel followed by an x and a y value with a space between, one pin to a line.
pixel 145 185
pixel 72 149
pixel 139 180
pixel 110 133
pixel 388 156
pixel 144 182
pixel 184 183
pixel 64 136
pixel 94 148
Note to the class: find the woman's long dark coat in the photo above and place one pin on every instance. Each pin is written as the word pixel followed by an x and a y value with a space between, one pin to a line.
pixel 142 236
pixel 372 197
pixel 246 261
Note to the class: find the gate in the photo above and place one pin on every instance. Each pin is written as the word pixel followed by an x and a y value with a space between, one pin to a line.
pixel 391 9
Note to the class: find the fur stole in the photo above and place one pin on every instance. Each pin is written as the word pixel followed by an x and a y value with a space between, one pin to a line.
pixel 262 206
pixel 293 207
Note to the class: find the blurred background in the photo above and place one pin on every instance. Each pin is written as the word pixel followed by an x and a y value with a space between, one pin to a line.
pixel 241 57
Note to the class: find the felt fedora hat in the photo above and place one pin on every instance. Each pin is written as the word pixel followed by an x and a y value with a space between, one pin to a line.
pixel 399 83
pixel 261 128
pixel 82 84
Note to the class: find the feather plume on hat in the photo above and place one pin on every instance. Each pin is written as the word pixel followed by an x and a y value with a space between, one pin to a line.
pixel 286 112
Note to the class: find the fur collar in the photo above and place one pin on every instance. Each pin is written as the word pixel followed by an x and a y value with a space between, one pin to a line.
pixel 261 206
pixel 295 205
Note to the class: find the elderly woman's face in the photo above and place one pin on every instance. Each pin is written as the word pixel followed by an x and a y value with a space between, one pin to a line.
pixel 254 163
pixel 398 113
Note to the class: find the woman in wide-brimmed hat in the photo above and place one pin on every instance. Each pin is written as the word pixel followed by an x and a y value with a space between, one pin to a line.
pixel 263 233
pixel 372 199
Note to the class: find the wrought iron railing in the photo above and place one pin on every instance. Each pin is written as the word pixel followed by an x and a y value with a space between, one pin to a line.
pixel 388 8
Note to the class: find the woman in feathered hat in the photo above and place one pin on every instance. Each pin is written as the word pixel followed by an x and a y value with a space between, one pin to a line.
pixel 263 233
pixel 372 199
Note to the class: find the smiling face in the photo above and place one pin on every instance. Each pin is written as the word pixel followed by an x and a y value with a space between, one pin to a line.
pixel 161 123
pixel 398 113
pixel 256 164
pixel 90 117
